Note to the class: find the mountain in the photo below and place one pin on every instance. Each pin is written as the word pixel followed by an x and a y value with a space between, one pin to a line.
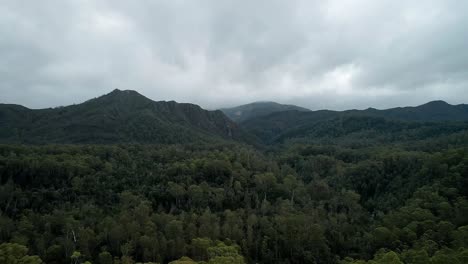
pixel 129 117
pixel 245 112
pixel 432 111
pixel 117 117
pixel 438 116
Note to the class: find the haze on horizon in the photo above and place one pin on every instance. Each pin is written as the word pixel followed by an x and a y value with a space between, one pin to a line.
pixel 316 54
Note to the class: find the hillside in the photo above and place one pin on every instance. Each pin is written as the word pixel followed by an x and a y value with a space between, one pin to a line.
pixel 245 112
pixel 432 111
pixel 117 117
pixel 280 126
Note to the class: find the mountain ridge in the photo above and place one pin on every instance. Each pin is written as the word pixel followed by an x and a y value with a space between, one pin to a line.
pixel 125 116
pixel 299 124
pixel 117 117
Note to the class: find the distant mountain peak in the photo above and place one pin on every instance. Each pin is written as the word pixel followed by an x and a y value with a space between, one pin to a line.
pixel 123 92
pixel 122 97
pixel 263 102
pixel 437 103
pixel 258 109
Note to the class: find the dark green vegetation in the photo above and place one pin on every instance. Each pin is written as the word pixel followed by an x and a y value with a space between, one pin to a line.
pixel 330 187
pixel 258 109
pixel 118 117
pixel 425 121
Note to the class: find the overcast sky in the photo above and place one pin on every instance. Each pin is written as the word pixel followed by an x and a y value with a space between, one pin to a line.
pixel 336 54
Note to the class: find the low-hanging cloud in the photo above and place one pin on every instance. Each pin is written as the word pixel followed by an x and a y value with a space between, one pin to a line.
pixel 319 54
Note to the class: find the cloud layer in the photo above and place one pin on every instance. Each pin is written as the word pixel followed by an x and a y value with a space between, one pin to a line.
pixel 335 54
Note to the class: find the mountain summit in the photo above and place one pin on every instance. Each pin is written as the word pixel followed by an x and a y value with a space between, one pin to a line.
pixel 118 117
pixel 258 109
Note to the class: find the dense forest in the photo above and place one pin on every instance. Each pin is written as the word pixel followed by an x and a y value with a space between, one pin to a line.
pixel 346 188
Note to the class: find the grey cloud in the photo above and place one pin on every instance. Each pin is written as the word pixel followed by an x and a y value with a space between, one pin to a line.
pixel 318 54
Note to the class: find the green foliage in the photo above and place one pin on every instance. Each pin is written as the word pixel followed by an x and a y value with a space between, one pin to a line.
pixel 11 253
pixel 414 256
pixel 183 260
pixel 386 258
pixel 105 258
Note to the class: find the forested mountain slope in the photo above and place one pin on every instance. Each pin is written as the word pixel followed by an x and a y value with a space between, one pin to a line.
pixel 432 111
pixel 245 112
pixel 118 117
pixel 438 117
